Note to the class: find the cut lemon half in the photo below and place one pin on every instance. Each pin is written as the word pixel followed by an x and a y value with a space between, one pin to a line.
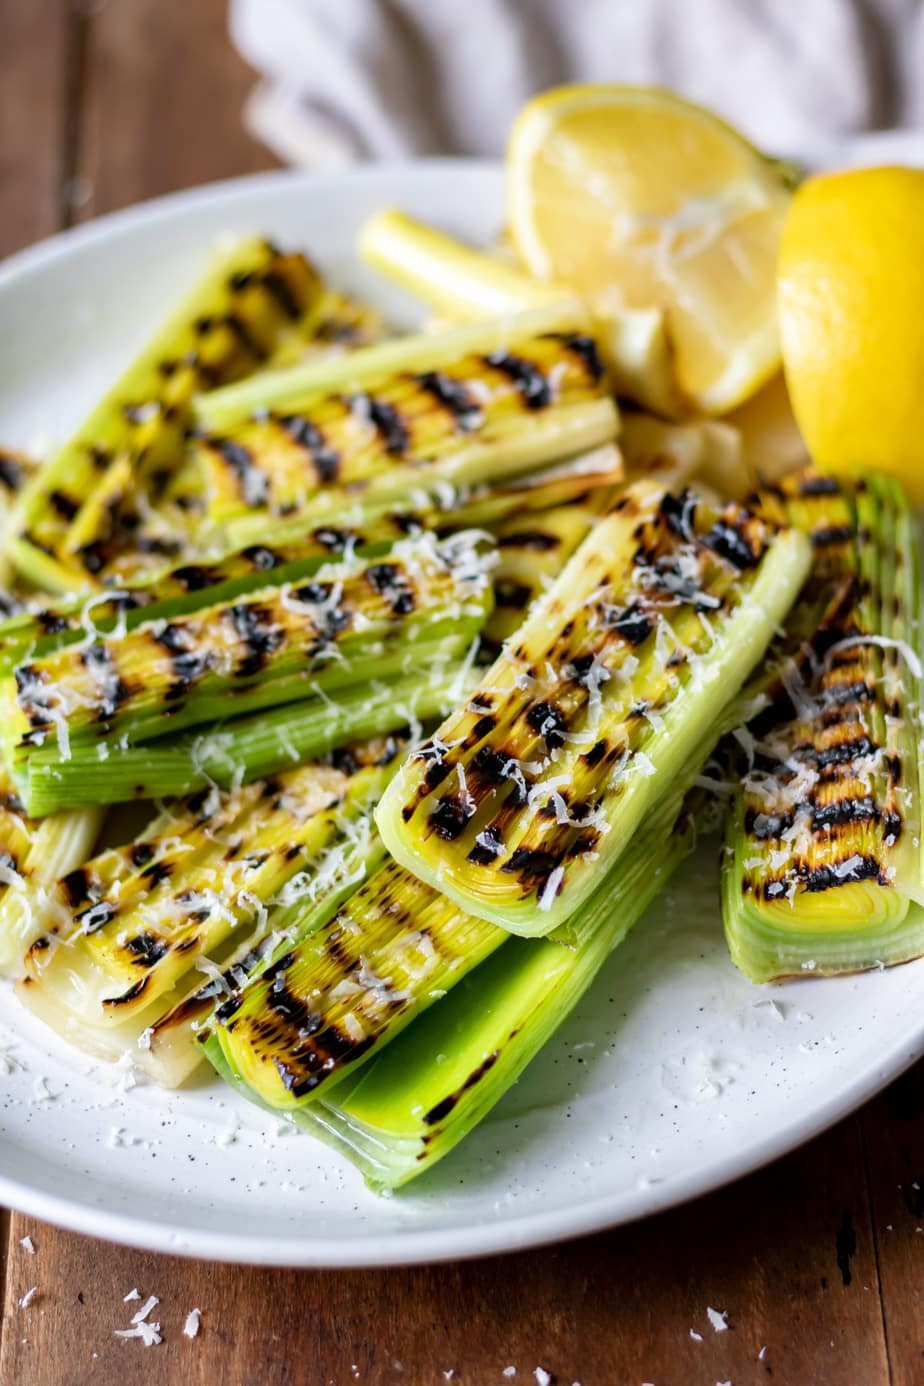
pixel 638 199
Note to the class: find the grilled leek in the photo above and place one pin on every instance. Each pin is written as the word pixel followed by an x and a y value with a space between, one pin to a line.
pixel 357 435
pixel 47 624
pixel 247 748
pixel 63 525
pixel 416 1100
pixel 823 852
pixel 141 924
pixel 537 782
pixel 395 947
pixel 353 621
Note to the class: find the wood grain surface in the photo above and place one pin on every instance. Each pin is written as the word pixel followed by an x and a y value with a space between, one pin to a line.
pixel 818 1261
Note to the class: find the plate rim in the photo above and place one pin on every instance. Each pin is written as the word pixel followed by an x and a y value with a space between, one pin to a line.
pixel 392 1248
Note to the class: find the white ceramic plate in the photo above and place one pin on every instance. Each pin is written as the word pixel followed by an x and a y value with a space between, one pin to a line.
pixel 674 1076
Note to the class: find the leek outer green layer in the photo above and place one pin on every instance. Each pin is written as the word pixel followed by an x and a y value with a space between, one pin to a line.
pixel 539 781
pixel 141 923
pixel 353 621
pixel 823 839
pixel 416 1100
pixel 65 522
pixel 246 748
pixel 360 435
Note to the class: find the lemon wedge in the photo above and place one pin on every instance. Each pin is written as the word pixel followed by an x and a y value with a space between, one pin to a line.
pixel 639 200
pixel 851 292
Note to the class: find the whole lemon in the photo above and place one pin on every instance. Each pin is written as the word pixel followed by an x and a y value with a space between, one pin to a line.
pixel 851 300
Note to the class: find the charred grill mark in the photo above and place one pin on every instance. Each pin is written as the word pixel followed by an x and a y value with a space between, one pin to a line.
pixel 50 623
pixel 262 558
pixel 532 385
pixel 140 853
pixel 585 349
pixel 113 690
pixel 631 623
pixel 443 1108
pixel 455 399
pixel 680 514
pixel 435 773
pixel 146 949
pixel 491 766
pixel 157 872
pixel 593 757
pixel 240 330
pixel 847 872
pixel 192 577
pixel 133 993
pixel 549 722
pixel 96 916
pixel 766 827
pixel 252 481
pixel 448 820
pixel 727 540
pixel 63 505
pixel 387 422
pixel 831 535
pixel 77 887
pixel 280 291
pixel 255 627
pixel 842 753
pixel 324 458
pixel 489 845
pixel 391 583
pixel 532 864
pixel 188 665
pixel 826 817
pixel 817 485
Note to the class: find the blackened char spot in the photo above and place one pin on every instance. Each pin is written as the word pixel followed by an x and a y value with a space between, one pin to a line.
pixel 818 486
pixel 528 378
pixel 857 868
pixel 146 949
pixel 76 886
pixel 307 435
pixel 596 753
pixel 388 423
pixel 549 721
pixel 454 397
pixel 833 815
pixel 585 348
pixel 63 504
pixel 390 582
pixel 279 289
pixel 729 543
pixel 531 864
pixel 254 484
pixel 113 690
pixel 443 1108
pixel 488 846
pixel 140 853
pixel 450 816
pixel 680 513
pixel 845 751
pixel 262 558
pixel 139 988
pixel 258 632
pixel 192 577
pixel 156 873
pixel 832 534
pixel 631 623
pixel 766 826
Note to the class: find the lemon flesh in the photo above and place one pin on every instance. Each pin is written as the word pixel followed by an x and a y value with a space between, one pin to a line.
pixel 851 294
pixel 637 199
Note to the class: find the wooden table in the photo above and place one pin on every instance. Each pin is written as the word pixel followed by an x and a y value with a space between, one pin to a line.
pixel 818 1261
